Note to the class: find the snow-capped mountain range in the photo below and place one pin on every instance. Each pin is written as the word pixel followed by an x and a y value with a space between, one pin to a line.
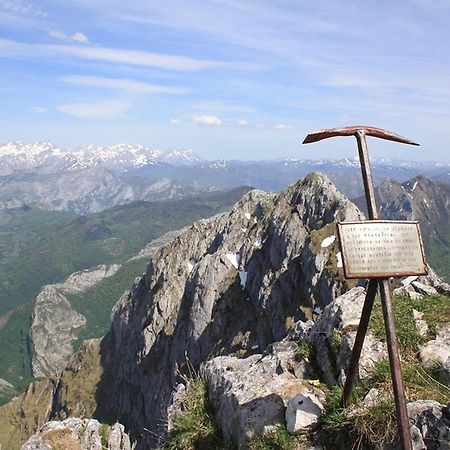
pixel 23 155
pixel 89 178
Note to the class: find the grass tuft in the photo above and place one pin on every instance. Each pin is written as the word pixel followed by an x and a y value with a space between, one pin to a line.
pixel 61 440
pixel 279 439
pixel 194 428
pixel 374 426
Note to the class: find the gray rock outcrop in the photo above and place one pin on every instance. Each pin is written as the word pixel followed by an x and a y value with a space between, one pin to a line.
pixel 55 324
pixel 437 351
pixel 417 287
pixel 82 434
pixel 250 395
pixel 231 284
pixel 7 390
pixel 430 425
pixel 333 335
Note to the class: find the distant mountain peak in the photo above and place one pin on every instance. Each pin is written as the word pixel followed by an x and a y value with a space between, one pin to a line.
pixel 24 155
pixel 19 148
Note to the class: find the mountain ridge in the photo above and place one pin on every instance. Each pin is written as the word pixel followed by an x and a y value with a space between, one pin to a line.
pixel 90 178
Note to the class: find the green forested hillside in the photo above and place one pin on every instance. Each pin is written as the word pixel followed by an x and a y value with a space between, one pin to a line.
pixel 43 247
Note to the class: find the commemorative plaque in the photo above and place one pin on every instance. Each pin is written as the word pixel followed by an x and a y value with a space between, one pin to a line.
pixel 380 249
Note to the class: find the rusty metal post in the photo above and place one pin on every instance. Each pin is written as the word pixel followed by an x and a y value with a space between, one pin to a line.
pixel 366 171
pixel 352 370
pixel 394 362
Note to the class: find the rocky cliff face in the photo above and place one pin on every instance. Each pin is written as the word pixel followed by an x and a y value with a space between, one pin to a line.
pixel 416 199
pixel 230 284
pixel 55 324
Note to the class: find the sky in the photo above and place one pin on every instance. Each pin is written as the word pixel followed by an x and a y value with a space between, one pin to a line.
pixel 229 79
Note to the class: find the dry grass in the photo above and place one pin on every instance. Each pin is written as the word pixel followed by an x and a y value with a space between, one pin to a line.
pixel 61 440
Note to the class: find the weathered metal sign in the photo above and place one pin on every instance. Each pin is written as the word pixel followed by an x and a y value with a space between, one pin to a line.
pixel 381 248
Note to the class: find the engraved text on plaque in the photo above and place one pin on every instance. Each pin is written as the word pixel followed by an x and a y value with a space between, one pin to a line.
pixel 378 248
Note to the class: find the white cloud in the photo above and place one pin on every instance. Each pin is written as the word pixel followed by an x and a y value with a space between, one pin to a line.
pixel 38 109
pixel 124 84
pixel 75 37
pixel 207 120
pixel 283 127
pixel 98 110
pixel 134 57
pixel 116 56
pixel 174 121
pixel 242 123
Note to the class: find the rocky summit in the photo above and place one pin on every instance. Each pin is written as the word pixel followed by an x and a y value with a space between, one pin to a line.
pixel 229 299
pixel 232 284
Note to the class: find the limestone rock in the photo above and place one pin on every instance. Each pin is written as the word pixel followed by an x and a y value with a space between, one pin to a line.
pixel 176 407
pixel 372 352
pixel 54 327
pixel 84 279
pixel 83 434
pixel 333 336
pixel 417 287
pixel 437 350
pixel 432 421
pixel 445 373
pixel 151 248
pixel 249 396
pixel 7 390
pixel 421 325
pixel 423 288
pixel 303 413
pixel 55 324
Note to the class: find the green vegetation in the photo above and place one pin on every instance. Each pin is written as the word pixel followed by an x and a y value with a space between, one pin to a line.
pixel 305 350
pixel 279 439
pixel 104 434
pixel 14 361
pixel 95 304
pixel 44 247
pixel 25 414
pixel 21 417
pixel 374 425
pixel 437 248
pixel 195 427
pixel 436 311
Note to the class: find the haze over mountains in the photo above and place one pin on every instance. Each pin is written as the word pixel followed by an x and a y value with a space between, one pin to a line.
pixel 91 178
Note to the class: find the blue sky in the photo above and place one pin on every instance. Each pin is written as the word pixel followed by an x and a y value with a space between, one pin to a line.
pixel 229 79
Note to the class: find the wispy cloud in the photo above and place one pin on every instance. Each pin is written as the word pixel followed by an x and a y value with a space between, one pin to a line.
pixel 283 127
pixel 21 7
pixel 123 84
pixel 242 123
pixel 207 120
pixel 97 110
pixel 38 109
pixel 75 37
pixel 116 56
pixel 175 121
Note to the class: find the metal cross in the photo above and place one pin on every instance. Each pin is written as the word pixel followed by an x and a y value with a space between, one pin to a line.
pixel 360 132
